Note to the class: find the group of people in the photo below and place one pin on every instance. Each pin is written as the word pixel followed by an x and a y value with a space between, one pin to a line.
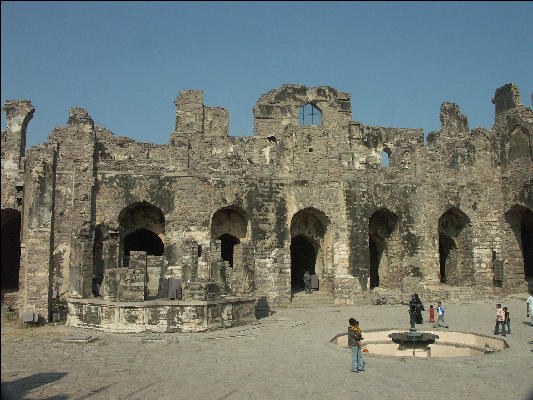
pixel 503 317
pixel 416 307
pixel 503 320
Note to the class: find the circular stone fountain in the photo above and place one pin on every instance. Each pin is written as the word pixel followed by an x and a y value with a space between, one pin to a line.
pixel 449 344
pixel 414 340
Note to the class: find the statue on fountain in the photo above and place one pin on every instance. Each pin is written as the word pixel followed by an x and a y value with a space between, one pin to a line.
pixel 415 311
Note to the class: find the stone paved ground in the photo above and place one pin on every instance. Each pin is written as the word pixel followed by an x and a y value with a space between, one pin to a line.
pixel 285 356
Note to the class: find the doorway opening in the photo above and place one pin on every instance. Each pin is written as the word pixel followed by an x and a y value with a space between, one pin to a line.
pixel 303 258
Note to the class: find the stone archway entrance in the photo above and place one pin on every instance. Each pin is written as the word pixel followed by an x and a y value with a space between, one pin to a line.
pixel 382 246
pixel 309 247
pixel 10 250
pixel 455 248
pixel 303 258
pixel 520 250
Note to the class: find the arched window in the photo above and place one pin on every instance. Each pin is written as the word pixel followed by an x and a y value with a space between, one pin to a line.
pixel 310 116
pixel 385 157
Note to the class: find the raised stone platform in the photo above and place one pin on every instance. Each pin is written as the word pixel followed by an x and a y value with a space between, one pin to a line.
pixel 161 315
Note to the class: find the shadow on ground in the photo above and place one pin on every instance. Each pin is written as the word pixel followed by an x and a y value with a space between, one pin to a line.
pixel 15 390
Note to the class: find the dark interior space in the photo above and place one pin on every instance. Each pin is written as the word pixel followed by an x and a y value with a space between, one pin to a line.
pixel 526 230
pixel 143 240
pixel 303 257
pixel 446 244
pixel 228 242
pixel 10 249
pixel 376 246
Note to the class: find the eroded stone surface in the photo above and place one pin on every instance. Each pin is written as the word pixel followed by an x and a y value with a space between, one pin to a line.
pixel 450 219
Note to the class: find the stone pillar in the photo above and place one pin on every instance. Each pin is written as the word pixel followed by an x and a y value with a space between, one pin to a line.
pixel 76 144
pixel 37 231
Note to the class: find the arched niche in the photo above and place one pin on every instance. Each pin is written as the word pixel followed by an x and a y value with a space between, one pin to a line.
pixel 311 246
pixel 140 224
pixel 382 240
pixel 230 226
pixel 455 248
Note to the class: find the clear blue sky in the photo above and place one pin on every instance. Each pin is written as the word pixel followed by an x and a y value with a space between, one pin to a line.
pixel 126 62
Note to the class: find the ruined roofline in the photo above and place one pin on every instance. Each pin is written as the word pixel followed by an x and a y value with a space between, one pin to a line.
pixel 275 110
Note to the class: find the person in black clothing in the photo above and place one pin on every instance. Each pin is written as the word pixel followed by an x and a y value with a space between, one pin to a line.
pixel 416 308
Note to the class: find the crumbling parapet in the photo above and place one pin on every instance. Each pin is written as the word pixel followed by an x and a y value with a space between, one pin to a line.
pixel 280 108
pixel 13 146
pixel 80 117
pixel 506 98
pixel 451 119
pixel 194 118
pixel 18 115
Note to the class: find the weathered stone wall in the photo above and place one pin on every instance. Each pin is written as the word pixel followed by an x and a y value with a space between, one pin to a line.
pixel 275 185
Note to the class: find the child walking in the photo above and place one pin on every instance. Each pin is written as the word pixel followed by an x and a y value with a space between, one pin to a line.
pixel 431 314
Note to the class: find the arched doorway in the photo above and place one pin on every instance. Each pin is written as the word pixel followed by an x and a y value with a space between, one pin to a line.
pixel 142 228
pixel 230 226
pixel 381 226
pixel 227 243
pixel 10 250
pixel 455 248
pixel 520 220
pixel 309 247
pixel 303 258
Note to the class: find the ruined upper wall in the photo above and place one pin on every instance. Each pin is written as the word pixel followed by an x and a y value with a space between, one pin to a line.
pixel 193 117
pixel 279 109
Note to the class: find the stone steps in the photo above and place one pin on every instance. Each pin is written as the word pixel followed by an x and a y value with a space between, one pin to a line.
pixel 316 298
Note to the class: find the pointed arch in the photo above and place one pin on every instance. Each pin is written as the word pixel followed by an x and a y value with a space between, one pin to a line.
pixel 382 243
pixel 310 247
pixel 455 248
pixel 138 224
pixel 230 226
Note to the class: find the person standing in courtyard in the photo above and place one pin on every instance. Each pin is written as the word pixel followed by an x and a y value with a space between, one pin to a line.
pixel 354 342
pixel 507 319
pixel 500 320
pixel 529 307
pixel 307 282
pixel 440 320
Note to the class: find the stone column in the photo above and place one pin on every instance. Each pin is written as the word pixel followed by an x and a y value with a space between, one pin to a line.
pixel 37 231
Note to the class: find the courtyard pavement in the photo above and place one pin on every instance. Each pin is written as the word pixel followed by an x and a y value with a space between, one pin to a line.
pixel 285 356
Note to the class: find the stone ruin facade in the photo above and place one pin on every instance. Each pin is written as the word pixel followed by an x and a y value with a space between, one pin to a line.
pixel 449 219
